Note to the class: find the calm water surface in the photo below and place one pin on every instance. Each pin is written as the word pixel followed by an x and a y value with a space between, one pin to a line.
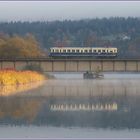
pixel 72 107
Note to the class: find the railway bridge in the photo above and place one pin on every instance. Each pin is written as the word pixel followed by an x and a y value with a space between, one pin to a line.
pixel 74 65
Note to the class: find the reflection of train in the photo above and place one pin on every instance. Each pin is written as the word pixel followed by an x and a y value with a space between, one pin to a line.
pixel 83 52
pixel 84 107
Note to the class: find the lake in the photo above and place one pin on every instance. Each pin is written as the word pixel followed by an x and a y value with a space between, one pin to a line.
pixel 69 106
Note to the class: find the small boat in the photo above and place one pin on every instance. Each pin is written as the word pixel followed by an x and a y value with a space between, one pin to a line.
pixel 92 75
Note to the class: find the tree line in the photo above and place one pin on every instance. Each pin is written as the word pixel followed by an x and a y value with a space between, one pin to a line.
pixel 123 33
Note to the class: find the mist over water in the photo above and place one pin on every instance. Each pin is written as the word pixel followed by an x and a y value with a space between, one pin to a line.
pixel 69 101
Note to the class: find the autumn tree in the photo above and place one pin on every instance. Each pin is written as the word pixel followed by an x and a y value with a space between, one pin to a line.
pixel 17 46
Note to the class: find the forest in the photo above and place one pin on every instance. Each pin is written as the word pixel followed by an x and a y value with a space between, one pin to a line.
pixel 120 32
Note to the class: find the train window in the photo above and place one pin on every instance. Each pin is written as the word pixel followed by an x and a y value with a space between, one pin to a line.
pixel 56 50
pixel 99 51
pixel 73 50
pixel 86 51
pixel 90 51
pixel 94 51
pixel 103 51
pixel 77 50
pixel 64 51
pixel 68 50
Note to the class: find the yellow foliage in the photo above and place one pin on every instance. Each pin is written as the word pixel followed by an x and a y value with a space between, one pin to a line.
pixel 12 77
pixel 17 46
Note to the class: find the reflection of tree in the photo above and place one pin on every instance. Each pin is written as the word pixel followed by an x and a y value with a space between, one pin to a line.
pixel 28 111
pixel 19 108
pixel 14 89
pixel 34 109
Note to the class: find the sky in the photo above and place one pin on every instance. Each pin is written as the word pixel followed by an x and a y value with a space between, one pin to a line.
pixel 61 10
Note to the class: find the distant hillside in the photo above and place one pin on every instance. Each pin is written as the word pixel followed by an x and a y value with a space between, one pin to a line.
pixel 123 33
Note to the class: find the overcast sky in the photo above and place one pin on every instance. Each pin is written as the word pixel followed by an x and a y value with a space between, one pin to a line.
pixel 60 10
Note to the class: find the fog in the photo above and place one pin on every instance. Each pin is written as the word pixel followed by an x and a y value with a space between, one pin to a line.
pixel 61 10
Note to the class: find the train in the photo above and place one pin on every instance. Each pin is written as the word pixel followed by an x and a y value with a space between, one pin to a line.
pixel 68 52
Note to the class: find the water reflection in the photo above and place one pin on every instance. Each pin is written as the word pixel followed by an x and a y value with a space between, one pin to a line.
pixel 83 107
pixel 16 89
pixel 94 103
pixel 15 110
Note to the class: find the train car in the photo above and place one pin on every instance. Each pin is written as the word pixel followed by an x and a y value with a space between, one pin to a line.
pixel 83 52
